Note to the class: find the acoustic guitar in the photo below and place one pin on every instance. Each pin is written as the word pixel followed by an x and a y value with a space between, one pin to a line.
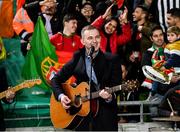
pixel 25 84
pixel 80 104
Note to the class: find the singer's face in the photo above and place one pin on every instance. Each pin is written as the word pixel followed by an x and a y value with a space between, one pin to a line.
pixel 91 38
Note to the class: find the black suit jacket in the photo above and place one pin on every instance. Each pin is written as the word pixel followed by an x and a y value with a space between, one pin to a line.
pixel 108 73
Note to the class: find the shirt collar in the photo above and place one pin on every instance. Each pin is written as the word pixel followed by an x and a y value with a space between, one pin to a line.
pixel 96 53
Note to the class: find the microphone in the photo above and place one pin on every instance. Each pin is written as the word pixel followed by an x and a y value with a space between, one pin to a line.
pixel 92 49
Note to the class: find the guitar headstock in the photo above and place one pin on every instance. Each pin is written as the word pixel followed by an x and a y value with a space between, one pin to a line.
pixel 31 83
pixel 131 85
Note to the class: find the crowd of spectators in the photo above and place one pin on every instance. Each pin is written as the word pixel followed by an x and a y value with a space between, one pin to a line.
pixel 134 30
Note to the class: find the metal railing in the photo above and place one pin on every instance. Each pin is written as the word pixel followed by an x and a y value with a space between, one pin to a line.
pixel 141 104
pixel 141 113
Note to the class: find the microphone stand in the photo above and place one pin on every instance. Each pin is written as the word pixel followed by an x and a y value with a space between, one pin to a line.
pixel 90 94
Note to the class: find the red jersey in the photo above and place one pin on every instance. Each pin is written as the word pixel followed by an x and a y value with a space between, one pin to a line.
pixel 66 43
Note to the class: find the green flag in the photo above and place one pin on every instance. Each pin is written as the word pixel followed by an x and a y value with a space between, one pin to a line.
pixel 39 58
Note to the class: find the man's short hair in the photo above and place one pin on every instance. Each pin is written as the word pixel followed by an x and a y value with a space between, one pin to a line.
pixel 157 27
pixel 69 17
pixel 88 27
pixel 144 9
pixel 87 3
pixel 175 12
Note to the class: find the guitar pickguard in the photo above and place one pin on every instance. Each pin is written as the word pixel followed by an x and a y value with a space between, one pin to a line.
pixel 75 106
pixel 74 110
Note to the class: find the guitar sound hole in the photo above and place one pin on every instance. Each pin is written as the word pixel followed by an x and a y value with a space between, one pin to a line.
pixel 75 106
pixel 77 101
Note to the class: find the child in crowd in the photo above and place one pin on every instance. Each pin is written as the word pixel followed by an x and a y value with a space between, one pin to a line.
pixel 172 50
pixel 168 61
pixel 172 53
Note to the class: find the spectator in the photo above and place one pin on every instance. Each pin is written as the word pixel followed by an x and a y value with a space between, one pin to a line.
pixel 159 10
pixel 158 43
pixel 157 38
pixel 24 27
pixel 141 30
pixel 132 4
pixel 23 23
pixel 173 17
pixel 173 48
pixel 111 37
pixel 67 41
pixel 87 10
pixel 169 64
pixel 50 17
pixel 170 19
pixel 108 31
pixel 140 42
pixel 86 15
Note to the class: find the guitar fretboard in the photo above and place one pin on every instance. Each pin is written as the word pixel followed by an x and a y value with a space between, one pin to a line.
pixel 25 84
pixel 14 89
pixel 110 90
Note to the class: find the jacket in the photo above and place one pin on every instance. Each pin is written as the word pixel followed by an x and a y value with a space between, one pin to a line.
pixel 22 24
pixel 66 43
pixel 115 39
pixel 107 76
pixel 172 52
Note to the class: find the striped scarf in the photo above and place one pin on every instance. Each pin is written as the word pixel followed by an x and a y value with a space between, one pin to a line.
pixel 158 57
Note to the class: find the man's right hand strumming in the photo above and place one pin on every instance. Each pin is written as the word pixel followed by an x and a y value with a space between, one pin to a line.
pixel 65 101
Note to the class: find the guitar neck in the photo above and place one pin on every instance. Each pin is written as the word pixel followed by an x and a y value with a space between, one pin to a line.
pixel 110 90
pixel 14 89
pixel 25 84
